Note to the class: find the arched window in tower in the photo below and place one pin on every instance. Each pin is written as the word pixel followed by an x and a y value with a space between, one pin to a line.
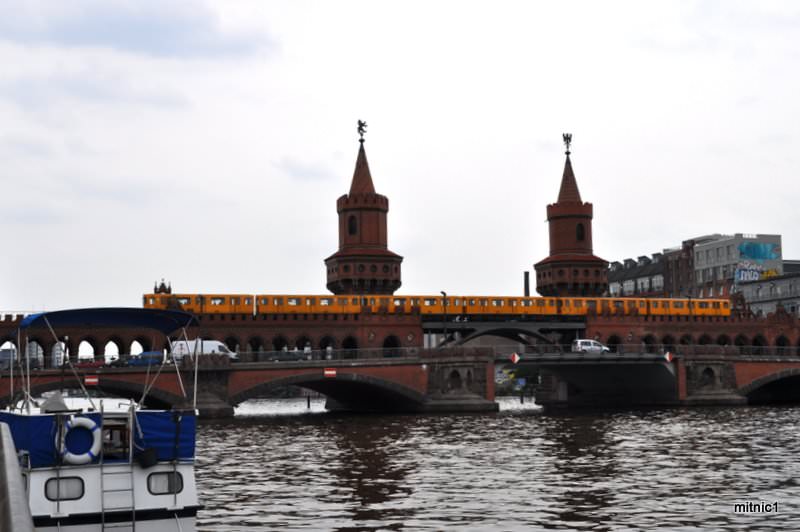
pixel 580 233
pixel 352 225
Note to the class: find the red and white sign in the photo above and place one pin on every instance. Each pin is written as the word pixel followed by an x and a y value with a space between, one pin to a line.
pixel 669 357
pixel 91 380
pixel 329 372
pixel 514 358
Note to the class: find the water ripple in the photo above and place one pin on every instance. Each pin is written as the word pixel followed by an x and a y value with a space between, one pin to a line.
pixel 671 469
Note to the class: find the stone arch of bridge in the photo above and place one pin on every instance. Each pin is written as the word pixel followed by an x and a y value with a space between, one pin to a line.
pixel 132 390
pixel 758 388
pixel 350 390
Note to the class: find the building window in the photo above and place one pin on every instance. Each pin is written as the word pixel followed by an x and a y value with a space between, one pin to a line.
pixel 352 225
pixel 580 233
pixel 64 489
pixel 164 483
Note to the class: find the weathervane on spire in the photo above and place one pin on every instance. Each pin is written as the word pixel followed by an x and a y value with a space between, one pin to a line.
pixel 567 140
pixel 362 128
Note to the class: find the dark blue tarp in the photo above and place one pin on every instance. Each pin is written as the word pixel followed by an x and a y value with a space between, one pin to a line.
pixel 171 434
pixel 165 321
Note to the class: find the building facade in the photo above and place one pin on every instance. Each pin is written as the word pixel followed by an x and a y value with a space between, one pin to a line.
pixel 722 262
pixel 643 277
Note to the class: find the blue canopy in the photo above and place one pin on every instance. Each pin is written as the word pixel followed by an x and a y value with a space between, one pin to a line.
pixel 165 321
pixel 170 433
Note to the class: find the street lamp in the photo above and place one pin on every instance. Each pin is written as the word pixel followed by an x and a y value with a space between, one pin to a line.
pixel 444 320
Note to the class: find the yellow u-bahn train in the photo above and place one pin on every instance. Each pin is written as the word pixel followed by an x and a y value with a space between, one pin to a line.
pixel 457 305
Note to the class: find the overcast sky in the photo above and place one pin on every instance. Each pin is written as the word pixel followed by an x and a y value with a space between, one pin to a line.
pixel 206 143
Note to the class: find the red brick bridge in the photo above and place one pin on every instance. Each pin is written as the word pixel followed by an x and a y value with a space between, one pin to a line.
pixel 427 381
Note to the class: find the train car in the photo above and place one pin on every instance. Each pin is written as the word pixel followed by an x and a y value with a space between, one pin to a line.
pixel 202 303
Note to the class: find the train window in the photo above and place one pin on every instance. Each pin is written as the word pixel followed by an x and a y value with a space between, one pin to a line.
pixel 526 302
pixel 342 301
pixel 551 302
pixel 309 301
pixel 618 303
pixel 216 301
pixel 384 302
pixel 655 304
pixel 631 304
pixel 677 304
pixel 151 300
pixel 277 301
pixel 484 302
pixel 456 301
pixel 234 301
pixel 414 302
pixel 642 304
pixel 497 302
pixel 292 301
pixel 372 301
pixel 247 301
pixel 429 302
pixel 183 300
pixel 540 302
pixel 326 301
pixel 702 304
pixel 264 301
pixel 715 304
pixel 472 302
pixel 355 301
pixel 198 300
pixel 399 302
pixel 725 305
pixel 566 303
pixel 578 303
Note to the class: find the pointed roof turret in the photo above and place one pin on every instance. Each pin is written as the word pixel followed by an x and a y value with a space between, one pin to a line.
pixel 362 179
pixel 569 187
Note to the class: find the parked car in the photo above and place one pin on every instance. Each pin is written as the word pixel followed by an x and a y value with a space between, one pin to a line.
pixel 589 346
pixel 147 358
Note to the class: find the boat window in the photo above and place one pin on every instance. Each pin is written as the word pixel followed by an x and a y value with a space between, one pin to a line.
pixel 164 483
pixel 64 489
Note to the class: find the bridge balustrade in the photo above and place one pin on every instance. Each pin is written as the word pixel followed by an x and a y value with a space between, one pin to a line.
pixel 679 349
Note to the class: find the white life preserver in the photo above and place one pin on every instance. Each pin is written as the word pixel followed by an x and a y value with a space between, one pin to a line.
pixel 88 456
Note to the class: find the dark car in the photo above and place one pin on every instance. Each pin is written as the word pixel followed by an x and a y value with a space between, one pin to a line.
pixel 148 358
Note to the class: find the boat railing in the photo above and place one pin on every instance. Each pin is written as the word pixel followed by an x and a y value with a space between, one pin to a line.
pixel 15 514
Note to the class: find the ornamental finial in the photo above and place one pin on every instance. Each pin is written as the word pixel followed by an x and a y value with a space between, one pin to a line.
pixel 362 128
pixel 567 140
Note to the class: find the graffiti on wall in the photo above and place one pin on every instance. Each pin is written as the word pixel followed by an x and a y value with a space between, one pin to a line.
pixel 759 251
pixel 753 271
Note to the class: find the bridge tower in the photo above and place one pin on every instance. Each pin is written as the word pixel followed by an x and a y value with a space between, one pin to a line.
pixel 571 269
pixel 363 264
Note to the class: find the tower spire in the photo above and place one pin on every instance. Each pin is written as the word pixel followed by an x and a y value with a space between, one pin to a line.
pixel 569 187
pixel 362 179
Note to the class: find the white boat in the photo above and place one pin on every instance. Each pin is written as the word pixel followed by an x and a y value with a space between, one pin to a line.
pixel 106 464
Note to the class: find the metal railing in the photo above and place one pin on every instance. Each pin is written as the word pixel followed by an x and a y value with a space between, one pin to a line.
pixel 677 349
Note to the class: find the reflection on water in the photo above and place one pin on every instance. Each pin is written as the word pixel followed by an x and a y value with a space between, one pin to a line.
pixel 520 469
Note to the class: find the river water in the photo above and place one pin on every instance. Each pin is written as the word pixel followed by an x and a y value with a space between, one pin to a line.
pixel 519 469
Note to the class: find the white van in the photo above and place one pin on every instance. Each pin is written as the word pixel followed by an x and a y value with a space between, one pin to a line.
pixel 589 346
pixel 181 348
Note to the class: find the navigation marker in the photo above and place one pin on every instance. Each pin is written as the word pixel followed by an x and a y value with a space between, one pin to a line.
pixel 514 358
pixel 669 357
pixel 91 380
pixel 329 372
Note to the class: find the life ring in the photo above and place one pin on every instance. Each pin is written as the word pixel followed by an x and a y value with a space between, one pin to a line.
pixel 88 456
